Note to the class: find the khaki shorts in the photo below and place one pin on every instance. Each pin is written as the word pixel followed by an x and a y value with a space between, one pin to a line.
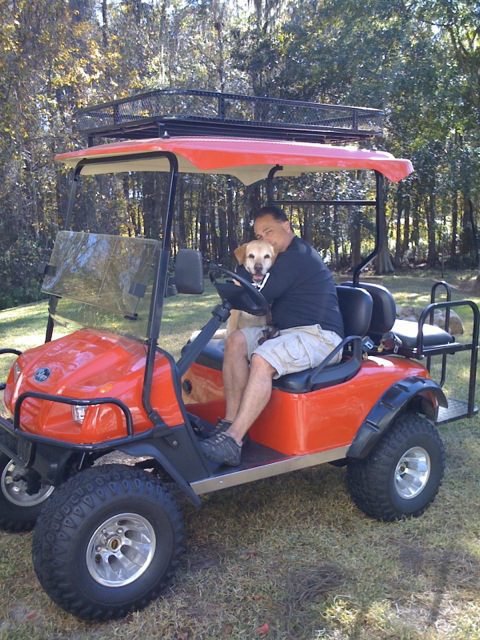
pixel 295 349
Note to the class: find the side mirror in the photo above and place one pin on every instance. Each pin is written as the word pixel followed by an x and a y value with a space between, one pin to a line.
pixel 189 271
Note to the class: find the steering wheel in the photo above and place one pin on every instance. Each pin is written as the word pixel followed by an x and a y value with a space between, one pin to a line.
pixel 245 297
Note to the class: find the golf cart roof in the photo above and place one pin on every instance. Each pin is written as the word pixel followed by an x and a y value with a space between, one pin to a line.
pixel 249 159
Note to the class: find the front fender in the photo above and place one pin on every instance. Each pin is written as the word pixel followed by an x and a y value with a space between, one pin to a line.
pixel 140 449
pixel 393 402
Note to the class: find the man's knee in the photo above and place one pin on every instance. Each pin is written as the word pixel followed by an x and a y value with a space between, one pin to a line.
pixel 261 365
pixel 236 344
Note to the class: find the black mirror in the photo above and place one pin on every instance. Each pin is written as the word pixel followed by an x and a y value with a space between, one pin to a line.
pixel 189 271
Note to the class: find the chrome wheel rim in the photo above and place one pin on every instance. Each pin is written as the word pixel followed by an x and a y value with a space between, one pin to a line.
pixel 412 473
pixel 14 487
pixel 121 549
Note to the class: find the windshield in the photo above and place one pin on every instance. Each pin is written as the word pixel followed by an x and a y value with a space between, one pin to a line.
pixel 102 281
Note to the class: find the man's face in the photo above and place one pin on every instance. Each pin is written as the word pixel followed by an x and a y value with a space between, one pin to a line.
pixel 276 232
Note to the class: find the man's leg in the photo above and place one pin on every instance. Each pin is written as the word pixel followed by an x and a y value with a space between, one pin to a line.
pixel 255 397
pixel 235 372
pixel 226 447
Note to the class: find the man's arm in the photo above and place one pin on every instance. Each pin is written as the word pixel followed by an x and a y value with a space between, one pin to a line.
pixel 281 277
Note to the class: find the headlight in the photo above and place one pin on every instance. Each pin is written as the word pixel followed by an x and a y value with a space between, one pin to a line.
pixel 17 371
pixel 78 413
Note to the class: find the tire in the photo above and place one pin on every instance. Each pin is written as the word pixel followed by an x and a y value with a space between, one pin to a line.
pixel 383 485
pixel 18 508
pixel 93 527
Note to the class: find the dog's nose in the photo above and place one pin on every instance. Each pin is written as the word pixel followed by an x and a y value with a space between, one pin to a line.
pixel 258 268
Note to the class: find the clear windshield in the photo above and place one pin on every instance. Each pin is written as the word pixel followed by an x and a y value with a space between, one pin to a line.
pixel 102 281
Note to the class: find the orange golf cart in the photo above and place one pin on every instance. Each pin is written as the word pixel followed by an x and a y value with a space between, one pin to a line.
pixel 107 537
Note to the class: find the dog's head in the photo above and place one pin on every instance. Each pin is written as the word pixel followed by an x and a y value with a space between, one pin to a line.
pixel 257 257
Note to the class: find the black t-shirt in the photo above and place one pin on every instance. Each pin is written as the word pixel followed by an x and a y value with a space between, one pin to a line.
pixel 301 290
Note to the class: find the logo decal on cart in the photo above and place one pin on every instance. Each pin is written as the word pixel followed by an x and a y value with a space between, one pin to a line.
pixel 42 374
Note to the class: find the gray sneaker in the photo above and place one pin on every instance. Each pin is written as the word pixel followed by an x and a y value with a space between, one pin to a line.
pixel 223 449
pixel 222 425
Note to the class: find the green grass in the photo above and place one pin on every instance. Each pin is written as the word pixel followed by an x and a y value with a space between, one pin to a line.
pixel 290 552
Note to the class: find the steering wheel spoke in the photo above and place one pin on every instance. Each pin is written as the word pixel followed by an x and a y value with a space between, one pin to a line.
pixel 238 292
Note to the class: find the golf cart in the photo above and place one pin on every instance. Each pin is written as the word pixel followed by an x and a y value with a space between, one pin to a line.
pixel 107 537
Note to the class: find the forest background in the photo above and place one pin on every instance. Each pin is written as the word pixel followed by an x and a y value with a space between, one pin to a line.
pixel 418 60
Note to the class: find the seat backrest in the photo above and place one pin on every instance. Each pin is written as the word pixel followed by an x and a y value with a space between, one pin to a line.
pixel 356 308
pixel 384 309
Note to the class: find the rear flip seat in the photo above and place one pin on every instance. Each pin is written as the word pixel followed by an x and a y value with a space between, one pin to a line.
pixel 384 320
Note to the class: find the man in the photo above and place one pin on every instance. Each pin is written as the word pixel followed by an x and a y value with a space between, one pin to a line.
pixel 304 308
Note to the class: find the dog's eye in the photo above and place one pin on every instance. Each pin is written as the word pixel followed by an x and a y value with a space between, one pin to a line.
pixel 250 255
pixel 266 257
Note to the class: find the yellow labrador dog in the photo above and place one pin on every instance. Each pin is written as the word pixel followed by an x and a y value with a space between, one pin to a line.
pixel 257 257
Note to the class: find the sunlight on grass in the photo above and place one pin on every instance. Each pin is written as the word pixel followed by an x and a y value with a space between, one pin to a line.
pixel 290 552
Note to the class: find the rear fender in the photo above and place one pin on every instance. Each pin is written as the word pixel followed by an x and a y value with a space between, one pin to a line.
pixel 413 390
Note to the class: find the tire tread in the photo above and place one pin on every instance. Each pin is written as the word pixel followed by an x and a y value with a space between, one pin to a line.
pixel 66 509
pixel 370 494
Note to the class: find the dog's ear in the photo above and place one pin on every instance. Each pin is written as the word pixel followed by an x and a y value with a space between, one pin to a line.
pixel 240 253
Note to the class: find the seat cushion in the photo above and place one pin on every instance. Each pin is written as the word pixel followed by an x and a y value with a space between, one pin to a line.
pixel 433 336
pixel 300 382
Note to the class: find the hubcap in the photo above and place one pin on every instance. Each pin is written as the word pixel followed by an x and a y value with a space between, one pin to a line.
pixel 14 487
pixel 121 549
pixel 412 472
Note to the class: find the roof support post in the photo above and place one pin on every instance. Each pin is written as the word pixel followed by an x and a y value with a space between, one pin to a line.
pixel 269 182
pixel 158 295
pixel 379 227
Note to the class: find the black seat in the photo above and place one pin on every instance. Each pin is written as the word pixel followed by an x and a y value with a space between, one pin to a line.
pixel 356 308
pixel 384 320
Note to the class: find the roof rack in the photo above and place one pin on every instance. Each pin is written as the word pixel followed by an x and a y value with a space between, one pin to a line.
pixel 192 112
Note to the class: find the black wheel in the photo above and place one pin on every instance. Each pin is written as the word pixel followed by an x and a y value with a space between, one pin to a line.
pixel 22 494
pixel 107 542
pixel 402 474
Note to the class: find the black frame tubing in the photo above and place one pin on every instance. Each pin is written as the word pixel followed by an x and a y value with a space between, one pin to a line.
pixel 433 299
pixel 355 341
pixel 71 401
pixel 159 286
pixel 14 352
pixel 269 183
pixel 351 113
pixel 7 426
pixel 473 346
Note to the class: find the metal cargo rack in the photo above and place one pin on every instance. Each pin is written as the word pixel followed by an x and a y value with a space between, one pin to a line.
pixel 192 112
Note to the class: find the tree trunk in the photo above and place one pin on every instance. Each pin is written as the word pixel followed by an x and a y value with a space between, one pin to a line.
pixel 104 23
pixel 430 215
pixel 383 262
pixel 467 239
pixel 181 227
pixel 355 239
pixel 222 247
pixel 453 242
pixel 407 202
pixel 398 226
pixel 307 224
pixel 231 218
pixel 415 228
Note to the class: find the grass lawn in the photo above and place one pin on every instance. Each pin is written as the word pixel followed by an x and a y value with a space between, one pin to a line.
pixel 288 557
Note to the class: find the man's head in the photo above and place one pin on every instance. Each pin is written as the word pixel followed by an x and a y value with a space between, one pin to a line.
pixel 271 224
